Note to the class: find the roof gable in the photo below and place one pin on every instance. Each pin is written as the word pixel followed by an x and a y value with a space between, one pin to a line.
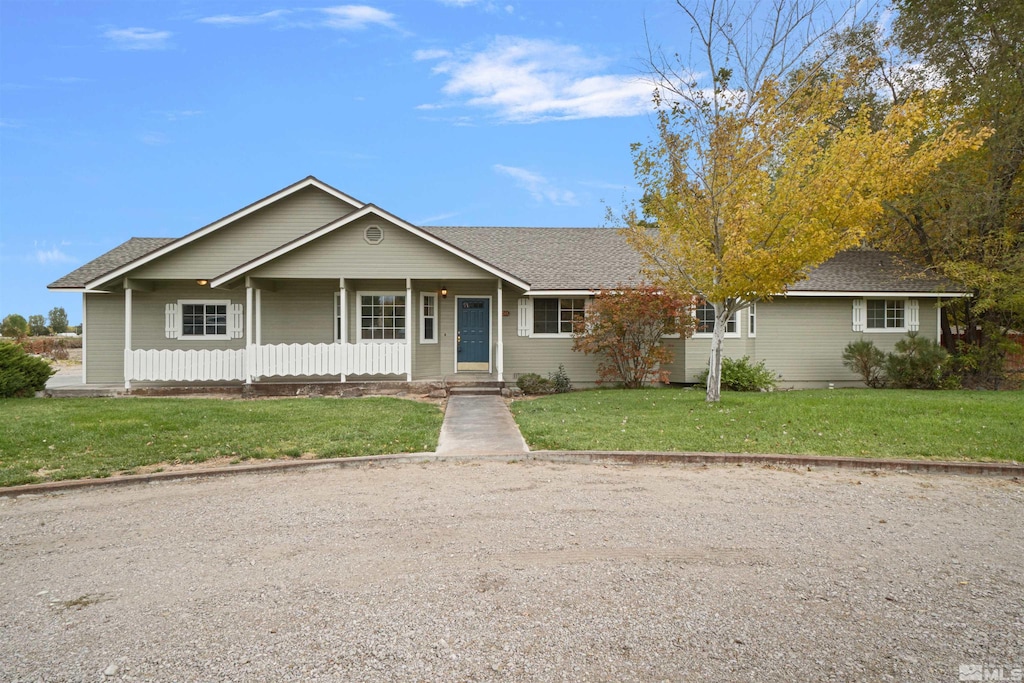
pixel 367 210
pixel 308 182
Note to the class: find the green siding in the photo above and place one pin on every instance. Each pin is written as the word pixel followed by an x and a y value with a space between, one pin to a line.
pixel 298 312
pixel 148 318
pixel 104 357
pixel 345 253
pixel 248 237
pixel 802 339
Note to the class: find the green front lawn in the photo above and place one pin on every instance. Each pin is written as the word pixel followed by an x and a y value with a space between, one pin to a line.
pixel 947 425
pixel 46 440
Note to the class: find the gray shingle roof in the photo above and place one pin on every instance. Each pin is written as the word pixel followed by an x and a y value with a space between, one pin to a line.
pixel 551 258
pixel 123 254
pixel 867 270
pixel 582 258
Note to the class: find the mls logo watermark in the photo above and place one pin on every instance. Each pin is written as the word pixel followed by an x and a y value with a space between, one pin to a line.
pixel 991 672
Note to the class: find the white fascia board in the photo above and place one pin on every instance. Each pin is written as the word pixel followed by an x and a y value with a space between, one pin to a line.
pixel 216 225
pixel 880 295
pixel 78 290
pixel 366 210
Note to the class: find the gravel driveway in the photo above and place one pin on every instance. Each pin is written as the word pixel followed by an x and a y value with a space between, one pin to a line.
pixel 516 572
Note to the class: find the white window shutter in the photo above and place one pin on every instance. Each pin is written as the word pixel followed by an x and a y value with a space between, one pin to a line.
pixel 171 321
pixel 524 317
pixel 235 323
pixel 859 315
pixel 913 315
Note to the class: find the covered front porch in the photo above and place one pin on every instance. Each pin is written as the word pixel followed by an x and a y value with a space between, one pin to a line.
pixel 278 330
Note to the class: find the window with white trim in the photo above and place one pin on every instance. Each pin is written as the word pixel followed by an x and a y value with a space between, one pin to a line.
pixel 886 314
pixel 428 318
pixel 557 316
pixel 752 320
pixel 704 316
pixel 382 316
pixel 206 319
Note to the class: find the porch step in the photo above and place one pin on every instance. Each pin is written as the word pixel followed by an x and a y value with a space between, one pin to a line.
pixel 488 390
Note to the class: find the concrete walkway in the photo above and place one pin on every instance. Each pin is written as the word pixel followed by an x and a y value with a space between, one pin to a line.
pixel 479 425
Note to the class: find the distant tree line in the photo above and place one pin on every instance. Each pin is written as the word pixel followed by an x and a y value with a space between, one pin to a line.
pixel 15 326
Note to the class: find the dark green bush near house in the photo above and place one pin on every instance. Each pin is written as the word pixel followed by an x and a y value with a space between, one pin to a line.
pixel 20 373
pixel 532 383
pixel 919 363
pixel 867 360
pixel 560 382
pixel 743 375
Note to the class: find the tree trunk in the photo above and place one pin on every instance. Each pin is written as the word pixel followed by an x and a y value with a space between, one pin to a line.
pixel 715 363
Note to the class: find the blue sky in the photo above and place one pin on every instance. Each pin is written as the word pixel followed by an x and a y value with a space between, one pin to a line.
pixel 121 119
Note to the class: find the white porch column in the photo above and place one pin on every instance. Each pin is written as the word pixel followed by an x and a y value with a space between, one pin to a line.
pixel 127 336
pixel 85 344
pixel 259 317
pixel 499 350
pixel 250 355
pixel 411 313
pixel 342 321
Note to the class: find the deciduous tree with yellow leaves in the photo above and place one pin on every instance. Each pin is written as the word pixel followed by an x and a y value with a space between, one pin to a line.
pixel 751 182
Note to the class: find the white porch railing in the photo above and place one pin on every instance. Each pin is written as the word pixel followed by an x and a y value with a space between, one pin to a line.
pixel 181 365
pixel 268 360
pixel 297 360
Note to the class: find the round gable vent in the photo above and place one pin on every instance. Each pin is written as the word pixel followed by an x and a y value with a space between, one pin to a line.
pixel 373 234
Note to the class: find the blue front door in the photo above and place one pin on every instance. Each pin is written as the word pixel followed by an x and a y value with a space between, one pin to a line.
pixel 474 334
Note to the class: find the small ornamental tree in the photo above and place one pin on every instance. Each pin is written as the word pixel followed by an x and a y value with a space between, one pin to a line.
pixel 58 320
pixel 627 327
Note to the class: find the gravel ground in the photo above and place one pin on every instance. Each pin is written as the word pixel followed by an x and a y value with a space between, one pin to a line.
pixel 516 572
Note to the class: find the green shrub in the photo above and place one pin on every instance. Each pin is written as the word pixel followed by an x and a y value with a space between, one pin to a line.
pixel 919 363
pixel 20 373
pixel 867 360
pixel 532 383
pixel 742 375
pixel 560 383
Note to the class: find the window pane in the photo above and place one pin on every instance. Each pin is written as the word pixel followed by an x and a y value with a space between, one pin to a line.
pixel 705 315
pixel 382 316
pixel 570 311
pixel 545 316
pixel 876 314
pixel 894 314
pixel 428 328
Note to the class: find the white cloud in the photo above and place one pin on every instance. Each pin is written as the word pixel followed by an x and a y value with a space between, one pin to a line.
pixel 343 17
pixel 537 185
pixel 458 3
pixel 525 81
pixel 427 55
pixel 138 38
pixel 47 256
pixel 357 17
pixel 245 18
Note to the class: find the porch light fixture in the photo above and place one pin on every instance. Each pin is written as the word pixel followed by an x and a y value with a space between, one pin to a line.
pixel 444 292
pixel 202 283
